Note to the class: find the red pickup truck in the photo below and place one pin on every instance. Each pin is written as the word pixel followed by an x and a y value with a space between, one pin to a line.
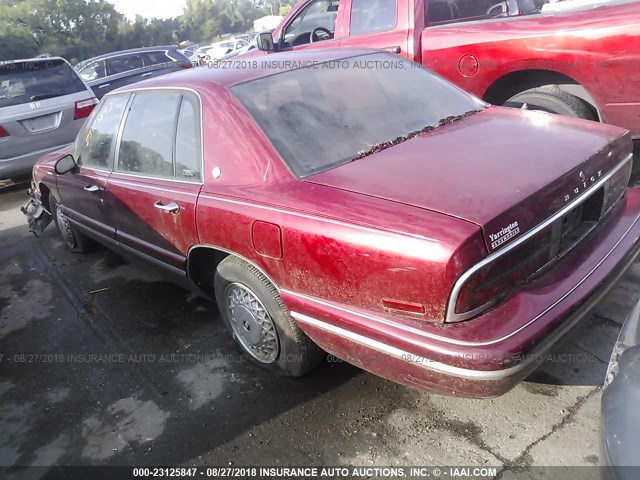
pixel 582 63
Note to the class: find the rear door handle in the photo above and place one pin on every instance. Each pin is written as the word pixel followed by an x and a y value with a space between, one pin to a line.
pixel 395 49
pixel 104 85
pixel 146 74
pixel 91 188
pixel 172 207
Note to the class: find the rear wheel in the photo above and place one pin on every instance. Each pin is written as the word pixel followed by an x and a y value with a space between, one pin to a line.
pixel 255 315
pixel 553 100
pixel 72 238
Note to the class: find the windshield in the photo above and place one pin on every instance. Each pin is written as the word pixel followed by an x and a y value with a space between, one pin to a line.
pixel 332 113
pixel 30 81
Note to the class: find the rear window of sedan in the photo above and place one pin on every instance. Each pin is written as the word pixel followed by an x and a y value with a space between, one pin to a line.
pixel 30 81
pixel 327 114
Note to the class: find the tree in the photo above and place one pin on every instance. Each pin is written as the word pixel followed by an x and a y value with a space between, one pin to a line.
pixel 79 29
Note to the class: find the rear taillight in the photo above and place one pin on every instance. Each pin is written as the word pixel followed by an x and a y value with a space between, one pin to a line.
pixel 186 65
pixel 492 279
pixel 84 108
pixel 3 132
pixel 490 283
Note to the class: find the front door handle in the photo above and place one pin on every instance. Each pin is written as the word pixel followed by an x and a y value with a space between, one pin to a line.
pixel 146 74
pixel 104 85
pixel 91 188
pixel 393 49
pixel 172 207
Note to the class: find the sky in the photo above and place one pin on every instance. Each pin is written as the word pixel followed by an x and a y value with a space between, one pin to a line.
pixel 149 8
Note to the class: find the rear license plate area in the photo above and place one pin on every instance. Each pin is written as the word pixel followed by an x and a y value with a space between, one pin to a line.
pixel 41 123
pixel 580 221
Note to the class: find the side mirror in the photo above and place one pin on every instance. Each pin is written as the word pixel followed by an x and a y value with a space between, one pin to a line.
pixel 65 164
pixel 264 42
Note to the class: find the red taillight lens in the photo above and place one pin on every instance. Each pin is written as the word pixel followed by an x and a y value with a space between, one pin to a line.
pixel 3 132
pixel 84 108
pixel 489 284
pixel 186 65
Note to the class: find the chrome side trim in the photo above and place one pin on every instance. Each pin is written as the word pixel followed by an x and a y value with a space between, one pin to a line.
pixel 340 223
pixel 150 187
pixel 410 357
pixel 451 315
pixel 452 341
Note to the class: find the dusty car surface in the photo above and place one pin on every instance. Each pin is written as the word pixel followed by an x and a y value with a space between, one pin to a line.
pixel 43 105
pixel 390 218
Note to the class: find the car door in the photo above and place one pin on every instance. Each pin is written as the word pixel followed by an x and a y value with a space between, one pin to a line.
pixel 154 187
pixel 323 14
pixel 378 24
pixel 156 63
pixel 121 70
pixel 93 72
pixel 83 190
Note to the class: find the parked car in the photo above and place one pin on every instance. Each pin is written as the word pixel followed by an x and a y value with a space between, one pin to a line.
pixel 576 63
pixel 620 419
pixel 390 219
pixel 249 36
pixel 113 70
pixel 190 50
pixel 248 48
pixel 219 50
pixel 43 105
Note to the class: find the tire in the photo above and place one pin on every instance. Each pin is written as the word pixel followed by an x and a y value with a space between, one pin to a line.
pixel 554 100
pixel 254 313
pixel 73 239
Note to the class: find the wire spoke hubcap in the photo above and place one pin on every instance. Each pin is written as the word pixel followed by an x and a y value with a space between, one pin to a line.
pixel 252 324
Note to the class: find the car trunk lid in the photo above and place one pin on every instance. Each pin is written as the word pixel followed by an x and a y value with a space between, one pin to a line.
pixel 502 169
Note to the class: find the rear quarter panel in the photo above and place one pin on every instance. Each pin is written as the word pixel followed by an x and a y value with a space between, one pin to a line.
pixel 335 245
pixel 340 246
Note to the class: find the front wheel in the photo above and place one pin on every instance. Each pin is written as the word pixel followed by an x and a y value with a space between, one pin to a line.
pixel 73 239
pixel 553 100
pixel 255 315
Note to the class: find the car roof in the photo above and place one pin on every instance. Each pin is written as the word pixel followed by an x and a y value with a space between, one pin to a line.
pixel 37 59
pixel 131 50
pixel 266 65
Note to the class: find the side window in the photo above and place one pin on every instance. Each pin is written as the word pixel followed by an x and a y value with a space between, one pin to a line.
pixel 155 58
pixel 93 147
pixel 146 146
pixel 319 14
pixel 372 16
pixel 93 70
pixel 188 154
pixel 452 11
pixel 123 63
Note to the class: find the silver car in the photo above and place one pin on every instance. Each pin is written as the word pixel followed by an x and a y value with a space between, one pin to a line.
pixel 43 105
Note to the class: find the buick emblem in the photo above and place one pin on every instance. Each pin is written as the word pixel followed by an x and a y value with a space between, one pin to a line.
pixel 582 176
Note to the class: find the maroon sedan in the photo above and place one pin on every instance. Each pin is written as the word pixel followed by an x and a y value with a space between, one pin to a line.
pixel 351 202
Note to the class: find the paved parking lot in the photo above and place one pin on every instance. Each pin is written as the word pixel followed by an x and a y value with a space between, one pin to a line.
pixel 105 363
